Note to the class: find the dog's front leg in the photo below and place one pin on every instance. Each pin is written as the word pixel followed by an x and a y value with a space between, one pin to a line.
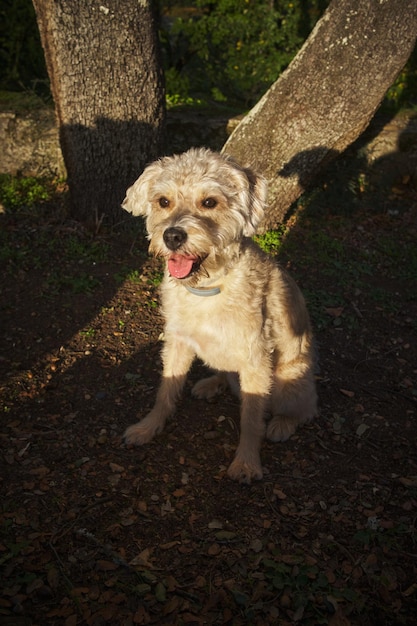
pixel 177 358
pixel 246 465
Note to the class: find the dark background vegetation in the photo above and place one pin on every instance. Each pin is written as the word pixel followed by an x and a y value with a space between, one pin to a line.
pixel 226 52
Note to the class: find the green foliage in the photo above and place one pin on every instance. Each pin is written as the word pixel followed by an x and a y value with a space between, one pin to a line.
pixel 155 277
pixel 229 51
pixel 22 62
pixel 403 92
pixel 271 241
pixel 19 192
pixel 21 101
pixel 307 589
pixel 232 49
pixel 85 250
pixel 33 247
pixel 71 280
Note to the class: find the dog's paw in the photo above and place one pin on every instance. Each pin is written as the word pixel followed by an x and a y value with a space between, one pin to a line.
pixel 244 472
pixel 281 428
pixel 209 388
pixel 141 432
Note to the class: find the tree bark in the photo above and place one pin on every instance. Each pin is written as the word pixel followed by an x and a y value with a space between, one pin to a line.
pixel 326 97
pixel 107 84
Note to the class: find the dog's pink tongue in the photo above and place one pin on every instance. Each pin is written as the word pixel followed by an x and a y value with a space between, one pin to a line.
pixel 180 265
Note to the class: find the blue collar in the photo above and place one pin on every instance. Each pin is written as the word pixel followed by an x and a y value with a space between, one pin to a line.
pixel 210 291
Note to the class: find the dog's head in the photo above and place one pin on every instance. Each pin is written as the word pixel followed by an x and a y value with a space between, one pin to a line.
pixel 197 206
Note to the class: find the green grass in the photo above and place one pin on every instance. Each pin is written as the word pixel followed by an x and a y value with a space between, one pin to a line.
pixel 80 249
pixel 65 256
pixel 89 333
pixel 401 256
pixel 128 274
pixel 21 102
pixel 76 283
pixel 272 241
pixel 17 193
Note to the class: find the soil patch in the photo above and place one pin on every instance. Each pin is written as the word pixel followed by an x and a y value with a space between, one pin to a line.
pixel 95 533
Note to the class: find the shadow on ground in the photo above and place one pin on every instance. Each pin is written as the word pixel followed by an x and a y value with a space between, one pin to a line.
pixel 94 533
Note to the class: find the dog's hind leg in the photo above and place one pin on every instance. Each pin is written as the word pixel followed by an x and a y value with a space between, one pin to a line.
pixel 293 402
pixel 177 358
pixel 209 388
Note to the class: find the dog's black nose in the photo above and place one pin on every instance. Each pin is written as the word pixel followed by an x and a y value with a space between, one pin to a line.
pixel 174 237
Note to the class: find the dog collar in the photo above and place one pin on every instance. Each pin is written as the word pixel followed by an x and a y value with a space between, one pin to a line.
pixel 211 291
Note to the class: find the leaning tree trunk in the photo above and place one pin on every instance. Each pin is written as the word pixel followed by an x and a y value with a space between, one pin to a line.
pixel 326 97
pixel 107 84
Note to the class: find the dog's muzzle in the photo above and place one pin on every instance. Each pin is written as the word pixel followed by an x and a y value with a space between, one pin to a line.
pixel 174 237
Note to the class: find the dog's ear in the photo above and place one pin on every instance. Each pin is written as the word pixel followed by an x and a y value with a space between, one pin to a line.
pixel 137 196
pixel 136 201
pixel 258 192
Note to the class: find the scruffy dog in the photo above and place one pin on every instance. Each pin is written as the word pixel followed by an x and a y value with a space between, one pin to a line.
pixel 224 301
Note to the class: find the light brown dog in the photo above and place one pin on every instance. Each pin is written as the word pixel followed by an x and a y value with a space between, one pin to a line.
pixel 224 301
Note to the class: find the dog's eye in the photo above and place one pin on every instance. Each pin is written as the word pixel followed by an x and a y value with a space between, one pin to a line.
pixel 209 203
pixel 164 202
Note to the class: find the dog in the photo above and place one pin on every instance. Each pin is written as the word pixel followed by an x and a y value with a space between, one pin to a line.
pixel 225 301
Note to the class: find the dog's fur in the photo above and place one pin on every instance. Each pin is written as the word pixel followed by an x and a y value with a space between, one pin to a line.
pixel 201 209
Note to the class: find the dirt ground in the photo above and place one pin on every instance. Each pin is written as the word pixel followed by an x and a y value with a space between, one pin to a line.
pixel 95 533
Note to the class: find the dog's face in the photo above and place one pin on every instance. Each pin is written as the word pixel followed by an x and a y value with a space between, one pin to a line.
pixel 197 205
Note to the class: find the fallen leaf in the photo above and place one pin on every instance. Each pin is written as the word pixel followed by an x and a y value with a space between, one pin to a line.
pixel 169 545
pixel 214 549
pixel 298 614
pixel 142 559
pixel 361 429
pixel 160 593
pixel 143 588
pixel 408 481
pixel 106 566
pixel 141 616
pixel 280 494
pixel 256 545
pixel 171 583
pixel 215 524
pixel 338 422
pixel 225 535
pixel 166 507
pixel 108 613
pixel 172 605
pixel 53 577
pixel 34 585
pixel 334 311
pixel 338 619
pixel 79 591
pixel 116 468
pixel 410 590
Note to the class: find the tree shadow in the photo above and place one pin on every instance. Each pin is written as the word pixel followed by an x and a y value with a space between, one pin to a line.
pixel 307 165
pixel 377 172
pixel 104 160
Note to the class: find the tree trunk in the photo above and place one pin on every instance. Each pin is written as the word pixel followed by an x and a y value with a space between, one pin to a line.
pixel 326 97
pixel 107 84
